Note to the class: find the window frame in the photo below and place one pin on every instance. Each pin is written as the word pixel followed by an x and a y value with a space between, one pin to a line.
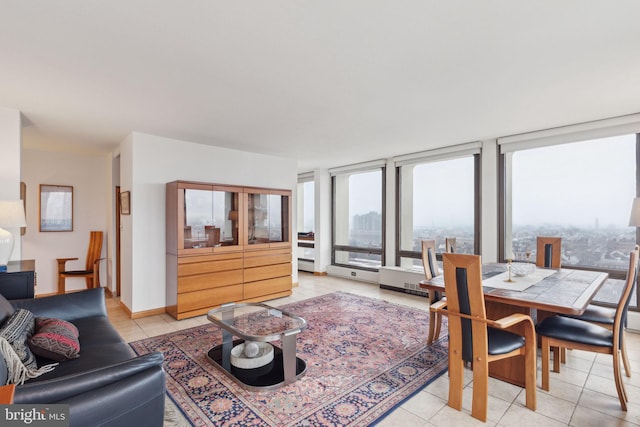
pixel 504 191
pixel 348 248
pixel 303 179
pixel 477 205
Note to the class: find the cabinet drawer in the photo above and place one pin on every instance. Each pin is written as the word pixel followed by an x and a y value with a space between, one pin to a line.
pixel 209 266
pixel 266 287
pixel 209 281
pixel 256 261
pixel 209 298
pixel 209 257
pixel 267 272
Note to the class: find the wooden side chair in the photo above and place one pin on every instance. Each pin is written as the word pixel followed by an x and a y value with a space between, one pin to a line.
pixel 429 261
pixel 605 317
pixel 450 245
pixel 565 332
pixel 432 270
pixel 477 340
pixel 548 252
pixel 92 266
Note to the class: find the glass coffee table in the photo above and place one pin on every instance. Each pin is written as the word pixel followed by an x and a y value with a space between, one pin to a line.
pixel 256 325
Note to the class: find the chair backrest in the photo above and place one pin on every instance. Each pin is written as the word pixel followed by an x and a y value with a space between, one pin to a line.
pixel 95 249
pixel 463 286
pixel 429 261
pixel 548 252
pixel 623 304
pixel 450 245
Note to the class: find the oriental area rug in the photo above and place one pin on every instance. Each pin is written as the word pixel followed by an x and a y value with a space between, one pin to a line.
pixel 364 358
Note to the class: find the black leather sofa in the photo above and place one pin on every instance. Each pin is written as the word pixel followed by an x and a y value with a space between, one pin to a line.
pixel 108 385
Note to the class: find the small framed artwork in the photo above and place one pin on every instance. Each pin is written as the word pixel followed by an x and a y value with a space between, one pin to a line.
pixel 56 207
pixel 125 203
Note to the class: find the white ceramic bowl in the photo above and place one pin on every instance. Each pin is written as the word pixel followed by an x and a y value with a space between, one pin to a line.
pixel 240 360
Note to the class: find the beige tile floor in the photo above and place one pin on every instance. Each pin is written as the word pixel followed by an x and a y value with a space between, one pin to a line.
pixel 582 395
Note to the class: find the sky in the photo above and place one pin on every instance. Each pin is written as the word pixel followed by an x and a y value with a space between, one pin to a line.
pixel 450 182
pixel 575 184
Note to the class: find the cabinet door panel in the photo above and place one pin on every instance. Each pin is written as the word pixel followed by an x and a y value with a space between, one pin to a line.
pixel 17 285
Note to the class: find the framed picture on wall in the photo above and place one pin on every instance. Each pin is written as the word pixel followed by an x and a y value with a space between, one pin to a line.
pixel 56 207
pixel 125 203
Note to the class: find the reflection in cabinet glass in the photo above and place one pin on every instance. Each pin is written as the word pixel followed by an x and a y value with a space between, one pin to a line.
pixel 268 218
pixel 210 218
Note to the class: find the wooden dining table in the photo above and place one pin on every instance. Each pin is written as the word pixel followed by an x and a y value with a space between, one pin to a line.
pixel 562 291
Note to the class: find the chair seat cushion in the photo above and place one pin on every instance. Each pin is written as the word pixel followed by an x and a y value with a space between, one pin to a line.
pixel 578 331
pixel 501 342
pixel 597 314
pixel 77 272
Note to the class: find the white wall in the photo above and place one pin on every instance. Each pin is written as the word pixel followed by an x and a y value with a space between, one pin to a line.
pixel 87 173
pixel 147 163
pixel 322 219
pixel 10 176
pixel 126 235
pixel 489 201
pixel 113 165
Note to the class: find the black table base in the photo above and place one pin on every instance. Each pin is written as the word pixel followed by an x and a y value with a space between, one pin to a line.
pixel 265 377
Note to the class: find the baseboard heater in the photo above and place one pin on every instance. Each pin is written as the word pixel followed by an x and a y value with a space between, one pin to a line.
pixel 401 279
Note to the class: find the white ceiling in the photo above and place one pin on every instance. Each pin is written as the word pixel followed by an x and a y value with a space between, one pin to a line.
pixel 329 82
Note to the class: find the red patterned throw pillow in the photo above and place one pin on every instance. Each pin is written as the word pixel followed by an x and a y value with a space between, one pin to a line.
pixel 55 339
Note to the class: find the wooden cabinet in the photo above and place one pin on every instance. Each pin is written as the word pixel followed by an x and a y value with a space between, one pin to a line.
pixel 19 280
pixel 225 244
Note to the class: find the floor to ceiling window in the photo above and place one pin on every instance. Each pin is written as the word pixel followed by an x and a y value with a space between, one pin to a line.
pixel 306 218
pixel 437 199
pixel 580 191
pixel 358 218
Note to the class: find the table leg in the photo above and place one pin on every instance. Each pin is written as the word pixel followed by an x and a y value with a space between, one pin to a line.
pixel 227 345
pixel 432 317
pixel 289 357
pixel 227 340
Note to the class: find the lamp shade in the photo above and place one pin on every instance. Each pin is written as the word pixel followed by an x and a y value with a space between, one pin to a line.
pixel 12 214
pixel 634 219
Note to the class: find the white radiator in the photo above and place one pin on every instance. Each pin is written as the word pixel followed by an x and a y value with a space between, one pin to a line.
pixel 401 279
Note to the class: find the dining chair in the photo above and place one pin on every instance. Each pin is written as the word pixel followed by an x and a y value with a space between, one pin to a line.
pixel 432 270
pixel 548 252
pixel 429 261
pixel 605 317
pixel 91 273
pixel 561 331
pixel 477 340
pixel 450 245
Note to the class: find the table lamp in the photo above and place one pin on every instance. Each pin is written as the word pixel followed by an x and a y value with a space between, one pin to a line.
pixel 11 216
pixel 634 219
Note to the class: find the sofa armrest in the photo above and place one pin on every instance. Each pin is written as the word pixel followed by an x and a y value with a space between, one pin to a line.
pixel 63 388
pixel 68 307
